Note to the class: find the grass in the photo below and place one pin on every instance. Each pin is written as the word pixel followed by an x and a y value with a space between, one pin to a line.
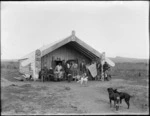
pixel 136 72
pixel 30 98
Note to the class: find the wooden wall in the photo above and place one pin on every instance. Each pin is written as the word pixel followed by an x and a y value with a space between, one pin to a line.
pixel 64 53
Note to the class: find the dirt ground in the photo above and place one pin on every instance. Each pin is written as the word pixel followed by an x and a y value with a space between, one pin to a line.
pixel 29 97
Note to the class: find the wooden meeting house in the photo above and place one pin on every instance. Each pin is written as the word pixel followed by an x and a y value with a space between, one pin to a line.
pixel 68 49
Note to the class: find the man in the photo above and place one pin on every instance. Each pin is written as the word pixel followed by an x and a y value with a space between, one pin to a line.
pixel 68 71
pixel 45 69
pixel 83 67
pixel 105 69
pixel 69 75
pixel 99 66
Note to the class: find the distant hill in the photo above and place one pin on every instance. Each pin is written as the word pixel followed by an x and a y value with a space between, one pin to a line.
pixel 9 60
pixel 119 59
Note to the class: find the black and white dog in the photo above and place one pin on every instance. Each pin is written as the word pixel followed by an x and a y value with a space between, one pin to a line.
pixel 115 97
pixel 124 96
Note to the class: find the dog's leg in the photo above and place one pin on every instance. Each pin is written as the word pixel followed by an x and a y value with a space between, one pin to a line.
pixel 114 103
pixel 81 82
pixel 110 102
pixel 117 103
pixel 120 101
pixel 85 82
pixel 117 106
pixel 127 102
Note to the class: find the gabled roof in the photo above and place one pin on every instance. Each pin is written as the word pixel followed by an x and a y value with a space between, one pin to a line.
pixel 72 41
pixel 75 43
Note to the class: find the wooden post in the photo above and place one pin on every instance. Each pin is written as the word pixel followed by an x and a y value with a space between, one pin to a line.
pixel 102 77
pixel 37 64
pixel 102 62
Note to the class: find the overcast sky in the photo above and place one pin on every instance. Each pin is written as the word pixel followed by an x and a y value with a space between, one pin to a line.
pixel 115 27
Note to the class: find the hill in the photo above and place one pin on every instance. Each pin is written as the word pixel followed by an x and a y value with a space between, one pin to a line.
pixel 10 64
pixel 119 59
pixel 9 60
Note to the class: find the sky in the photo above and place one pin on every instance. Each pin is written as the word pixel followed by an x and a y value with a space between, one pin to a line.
pixel 118 28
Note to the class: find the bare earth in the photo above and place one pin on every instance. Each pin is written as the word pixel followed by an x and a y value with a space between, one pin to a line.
pixel 69 98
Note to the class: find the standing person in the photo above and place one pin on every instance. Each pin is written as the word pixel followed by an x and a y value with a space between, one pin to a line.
pixel 75 70
pixel 98 66
pixel 69 72
pixel 105 69
pixel 67 66
pixel 82 67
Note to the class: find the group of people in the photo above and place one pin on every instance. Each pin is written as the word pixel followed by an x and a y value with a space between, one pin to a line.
pixel 62 71
pixel 103 71
pixel 70 70
pixel 46 74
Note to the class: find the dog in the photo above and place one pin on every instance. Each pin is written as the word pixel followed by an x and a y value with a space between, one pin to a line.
pixel 77 77
pixel 115 97
pixel 83 79
pixel 124 96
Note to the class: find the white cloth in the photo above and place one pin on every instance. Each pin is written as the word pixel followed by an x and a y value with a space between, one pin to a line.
pixel 68 65
pixel 58 68
pixel 93 70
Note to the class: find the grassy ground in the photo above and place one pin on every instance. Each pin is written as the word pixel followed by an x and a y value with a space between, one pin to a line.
pixel 28 97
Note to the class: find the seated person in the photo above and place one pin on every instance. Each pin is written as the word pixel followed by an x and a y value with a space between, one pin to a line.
pixel 42 75
pixel 58 71
pixel 50 73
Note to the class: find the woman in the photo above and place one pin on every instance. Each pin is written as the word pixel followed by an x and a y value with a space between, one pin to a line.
pixel 58 71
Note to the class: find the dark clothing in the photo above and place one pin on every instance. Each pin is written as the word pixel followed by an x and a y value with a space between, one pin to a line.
pixel 50 71
pixel 40 75
pixel 43 74
pixel 98 66
pixel 45 70
pixel 50 74
pixel 105 67
pixel 82 68
pixel 69 74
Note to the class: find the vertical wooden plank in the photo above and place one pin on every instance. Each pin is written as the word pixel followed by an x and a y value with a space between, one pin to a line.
pixel 48 61
pixel 42 62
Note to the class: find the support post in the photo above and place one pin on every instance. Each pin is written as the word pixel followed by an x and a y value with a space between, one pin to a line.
pixel 37 64
pixel 102 63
